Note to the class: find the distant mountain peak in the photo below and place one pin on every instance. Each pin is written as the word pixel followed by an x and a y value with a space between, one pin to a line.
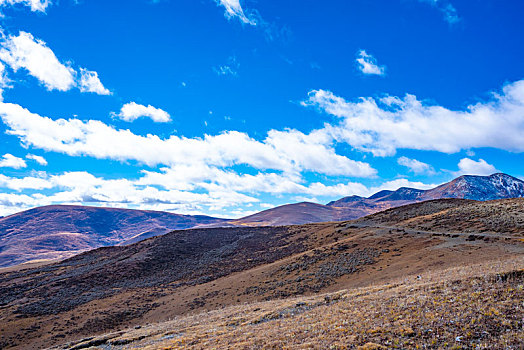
pixel 381 194
pixel 348 199
pixel 481 188
pixel 475 187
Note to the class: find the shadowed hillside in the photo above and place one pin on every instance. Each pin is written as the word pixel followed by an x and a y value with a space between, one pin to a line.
pixel 60 231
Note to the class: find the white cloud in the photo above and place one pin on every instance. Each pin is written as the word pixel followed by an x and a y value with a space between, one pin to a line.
pixel 398 183
pixel 234 9
pixel 89 82
pixel 231 68
pixel 416 166
pixel 337 190
pixel 367 64
pixel 289 151
pixel 11 203
pixel 191 178
pixel 85 188
pixel 25 183
pixel 446 8
pixel 469 166
pixel 39 159
pixel 24 51
pixel 385 125
pixel 172 190
pixel 4 80
pixel 10 161
pixel 225 70
pixel 36 5
pixel 132 111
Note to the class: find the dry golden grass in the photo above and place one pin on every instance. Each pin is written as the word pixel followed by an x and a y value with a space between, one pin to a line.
pixel 479 306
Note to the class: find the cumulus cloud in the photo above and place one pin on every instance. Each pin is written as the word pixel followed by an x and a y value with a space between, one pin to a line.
pixel 367 64
pixel 35 5
pixel 468 166
pixel 234 10
pixel 208 178
pixel 85 188
pixel 172 190
pixel 281 150
pixel 39 159
pixel 381 126
pixel 416 166
pixel 89 82
pixel 10 161
pixel 24 51
pixel 132 111
pixel 25 183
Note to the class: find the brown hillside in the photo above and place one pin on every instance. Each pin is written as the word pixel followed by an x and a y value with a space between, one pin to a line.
pixel 460 308
pixel 197 270
pixel 60 231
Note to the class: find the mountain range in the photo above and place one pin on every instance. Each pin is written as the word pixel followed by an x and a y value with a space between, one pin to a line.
pixel 480 188
pixel 57 232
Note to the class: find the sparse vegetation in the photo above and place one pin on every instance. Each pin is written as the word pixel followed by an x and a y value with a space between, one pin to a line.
pixel 478 307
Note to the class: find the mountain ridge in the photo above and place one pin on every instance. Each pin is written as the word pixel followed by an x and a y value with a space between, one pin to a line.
pixel 474 187
pixel 57 232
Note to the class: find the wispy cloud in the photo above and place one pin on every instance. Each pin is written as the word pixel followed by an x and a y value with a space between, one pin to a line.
pixel 367 64
pixel 231 68
pixel 39 159
pixel 448 11
pixel 35 5
pixel 234 10
pixel 5 82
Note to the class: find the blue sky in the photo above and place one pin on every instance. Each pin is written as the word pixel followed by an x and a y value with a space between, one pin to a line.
pixel 227 108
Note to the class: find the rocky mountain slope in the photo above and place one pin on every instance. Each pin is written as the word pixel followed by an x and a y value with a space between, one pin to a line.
pixel 55 232
pixel 197 270
pixel 481 188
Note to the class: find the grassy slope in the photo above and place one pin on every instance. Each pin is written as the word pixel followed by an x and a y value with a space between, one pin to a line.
pixel 478 306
